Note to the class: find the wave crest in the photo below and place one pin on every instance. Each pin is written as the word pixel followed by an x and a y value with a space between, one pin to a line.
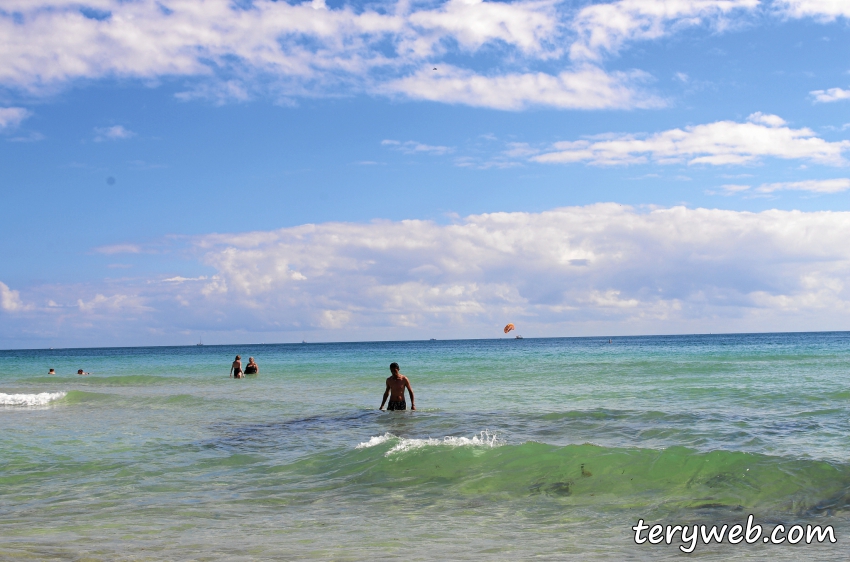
pixel 40 399
pixel 483 439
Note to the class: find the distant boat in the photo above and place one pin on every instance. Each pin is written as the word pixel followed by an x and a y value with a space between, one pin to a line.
pixel 518 337
pixel 433 339
pixel 303 341
pixel 200 342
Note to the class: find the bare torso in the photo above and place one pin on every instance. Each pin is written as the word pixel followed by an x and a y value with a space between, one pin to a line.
pixel 397 386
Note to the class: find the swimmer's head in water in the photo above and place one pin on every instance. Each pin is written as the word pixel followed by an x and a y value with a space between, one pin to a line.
pixel 79 371
pixel 394 368
pixel 51 372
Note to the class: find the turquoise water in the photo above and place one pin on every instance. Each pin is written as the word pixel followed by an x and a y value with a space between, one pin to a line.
pixel 544 448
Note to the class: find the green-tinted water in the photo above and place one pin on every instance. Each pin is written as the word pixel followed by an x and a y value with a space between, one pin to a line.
pixel 520 448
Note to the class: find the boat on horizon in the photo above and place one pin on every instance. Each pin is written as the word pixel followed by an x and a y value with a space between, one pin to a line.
pixel 200 342
pixel 517 337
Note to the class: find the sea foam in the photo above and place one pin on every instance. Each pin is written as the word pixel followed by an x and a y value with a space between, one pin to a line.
pixel 40 399
pixel 483 439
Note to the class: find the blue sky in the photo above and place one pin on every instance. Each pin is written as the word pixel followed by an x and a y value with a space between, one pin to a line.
pixel 243 171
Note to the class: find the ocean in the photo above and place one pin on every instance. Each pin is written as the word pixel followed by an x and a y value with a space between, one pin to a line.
pixel 551 449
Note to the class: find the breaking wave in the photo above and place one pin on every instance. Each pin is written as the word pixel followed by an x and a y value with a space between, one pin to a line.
pixel 401 445
pixel 40 399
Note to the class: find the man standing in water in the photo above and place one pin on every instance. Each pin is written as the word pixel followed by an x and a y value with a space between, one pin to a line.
pixel 396 383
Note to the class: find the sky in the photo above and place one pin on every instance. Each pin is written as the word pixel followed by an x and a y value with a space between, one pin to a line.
pixel 251 171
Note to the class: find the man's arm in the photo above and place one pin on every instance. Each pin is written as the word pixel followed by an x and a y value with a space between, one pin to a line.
pixel 386 394
pixel 410 391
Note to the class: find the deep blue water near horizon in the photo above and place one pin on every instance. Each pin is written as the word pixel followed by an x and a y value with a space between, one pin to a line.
pixel 545 448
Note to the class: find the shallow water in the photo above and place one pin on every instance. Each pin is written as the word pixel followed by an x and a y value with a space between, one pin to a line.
pixel 548 448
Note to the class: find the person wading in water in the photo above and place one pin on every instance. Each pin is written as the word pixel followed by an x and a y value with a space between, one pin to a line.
pixel 236 368
pixel 396 383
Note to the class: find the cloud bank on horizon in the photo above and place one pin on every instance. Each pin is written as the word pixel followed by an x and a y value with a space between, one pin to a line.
pixel 603 266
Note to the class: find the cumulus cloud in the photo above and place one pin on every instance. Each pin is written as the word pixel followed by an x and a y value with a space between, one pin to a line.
pixel 575 270
pixel 581 264
pixel 827 96
pixel 11 117
pixel 385 48
pixel 472 23
pixel 116 132
pixel 10 301
pixel 307 44
pixel 827 10
pixel 718 143
pixel 605 27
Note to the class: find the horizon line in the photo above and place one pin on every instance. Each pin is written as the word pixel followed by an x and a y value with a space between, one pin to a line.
pixel 426 340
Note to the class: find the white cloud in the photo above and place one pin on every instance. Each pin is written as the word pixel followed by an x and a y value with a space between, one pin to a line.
pixel 119 249
pixel 585 88
pixel 116 132
pixel 585 264
pixel 602 268
pixel 836 185
pixel 833 94
pixel 50 42
pixel 606 27
pixel 414 147
pixel 117 303
pixel 718 143
pixel 820 9
pixel 10 300
pixel 730 188
pixel 815 186
pixel 472 23
pixel 11 117
pixel 574 264
pixel 307 48
pixel 180 279
pixel 766 119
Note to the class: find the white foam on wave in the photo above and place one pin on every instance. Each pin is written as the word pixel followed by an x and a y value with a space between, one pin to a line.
pixel 40 399
pixel 483 439
pixel 373 441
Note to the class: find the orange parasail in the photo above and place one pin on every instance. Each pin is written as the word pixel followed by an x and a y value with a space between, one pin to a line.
pixel 509 327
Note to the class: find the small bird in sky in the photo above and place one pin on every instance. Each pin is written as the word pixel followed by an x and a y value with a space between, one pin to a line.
pixel 435 68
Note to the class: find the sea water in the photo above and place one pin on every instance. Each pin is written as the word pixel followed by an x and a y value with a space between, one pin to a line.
pixel 518 449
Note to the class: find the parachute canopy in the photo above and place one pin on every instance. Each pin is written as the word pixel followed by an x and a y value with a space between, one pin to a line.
pixel 509 327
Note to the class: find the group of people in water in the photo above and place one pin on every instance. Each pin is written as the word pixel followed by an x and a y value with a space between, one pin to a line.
pixel 250 369
pixel 396 383
pixel 79 372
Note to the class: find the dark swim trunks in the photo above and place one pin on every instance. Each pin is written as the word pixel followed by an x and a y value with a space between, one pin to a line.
pixel 397 405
